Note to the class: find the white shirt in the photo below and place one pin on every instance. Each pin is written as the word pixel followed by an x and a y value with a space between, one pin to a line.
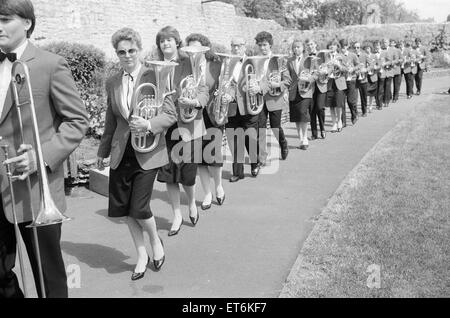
pixel 237 70
pixel 128 84
pixel 5 74
pixel 297 63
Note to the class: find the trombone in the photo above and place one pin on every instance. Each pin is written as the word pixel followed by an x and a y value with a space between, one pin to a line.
pixel 148 106
pixel 48 213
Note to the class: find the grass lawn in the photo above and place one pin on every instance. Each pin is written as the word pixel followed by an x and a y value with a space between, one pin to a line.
pixel 393 213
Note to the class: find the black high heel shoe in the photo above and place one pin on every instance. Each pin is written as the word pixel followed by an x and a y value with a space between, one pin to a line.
pixel 220 200
pixel 159 263
pixel 136 276
pixel 194 221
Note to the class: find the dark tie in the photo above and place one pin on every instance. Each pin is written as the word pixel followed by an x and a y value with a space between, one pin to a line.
pixel 12 57
pixel 130 78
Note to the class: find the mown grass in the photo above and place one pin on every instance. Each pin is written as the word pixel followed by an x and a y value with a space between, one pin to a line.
pixel 393 210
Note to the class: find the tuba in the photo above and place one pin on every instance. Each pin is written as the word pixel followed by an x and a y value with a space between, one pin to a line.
pixel 189 85
pixel 323 71
pixel 275 75
pixel 48 213
pixel 306 78
pixel 255 70
pixel 148 105
pixel 218 111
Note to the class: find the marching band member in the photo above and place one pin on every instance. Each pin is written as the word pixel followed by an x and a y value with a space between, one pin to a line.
pixel 372 75
pixel 63 122
pixel 133 173
pixel 361 80
pixel 182 167
pixel 239 117
pixel 319 98
pixel 273 104
pixel 208 169
pixel 408 68
pixel 381 56
pixel 422 57
pixel 300 98
pixel 351 62
pixel 397 69
pixel 388 62
pixel 336 87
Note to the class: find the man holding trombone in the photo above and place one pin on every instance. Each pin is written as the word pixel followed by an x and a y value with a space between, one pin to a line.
pixel 36 153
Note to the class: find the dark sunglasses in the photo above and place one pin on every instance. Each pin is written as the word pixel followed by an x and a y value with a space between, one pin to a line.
pixel 123 53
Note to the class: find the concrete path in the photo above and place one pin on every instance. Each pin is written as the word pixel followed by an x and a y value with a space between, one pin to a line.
pixel 244 248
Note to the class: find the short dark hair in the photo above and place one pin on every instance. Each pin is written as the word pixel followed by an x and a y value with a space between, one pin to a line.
pixel 264 36
pixel 204 41
pixel 344 42
pixel 418 40
pixel 126 34
pixel 21 8
pixel 334 42
pixel 166 33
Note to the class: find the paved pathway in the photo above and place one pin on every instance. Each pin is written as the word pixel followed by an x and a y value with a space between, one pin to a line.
pixel 245 248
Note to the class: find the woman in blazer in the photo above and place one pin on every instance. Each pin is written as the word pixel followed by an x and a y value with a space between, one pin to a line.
pixel 184 140
pixel 212 159
pixel 300 102
pixel 336 88
pixel 132 173
pixel 372 79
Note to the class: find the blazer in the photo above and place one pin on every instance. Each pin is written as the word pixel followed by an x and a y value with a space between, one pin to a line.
pixel 196 128
pixel 386 56
pixel 352 60
pixel 62 124
pixel 212 74
pixel 274 103
pixel 373 61
pixel 117 131
pixel 294 78
pixel 422 51
pixel 341 83
pixel 364 60
pixel 397 60
pixel 406 53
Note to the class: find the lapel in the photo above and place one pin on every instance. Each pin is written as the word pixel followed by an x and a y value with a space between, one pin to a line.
pixel 136 85
pixel 117 89
pixel 27 56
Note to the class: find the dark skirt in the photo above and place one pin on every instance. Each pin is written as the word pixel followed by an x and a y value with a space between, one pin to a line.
pixel 335 97
pixel 372 88
pixel 299 110
pixel 130 188
pixel 182 168
pixel 211 157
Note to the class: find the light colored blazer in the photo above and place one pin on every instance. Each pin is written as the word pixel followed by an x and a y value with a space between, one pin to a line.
pixel 294 78
pixel 117 131
pixel 62 123
pixel 274 103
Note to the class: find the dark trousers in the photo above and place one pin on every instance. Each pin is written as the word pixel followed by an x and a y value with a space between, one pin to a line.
pixel 418 78
pixel 55 279
pixel 275 124
pixel 352 99
pixel 387 90
pixel 409 79
pixel 245 122
pixel 397 84
pixel 362 87
pixel 318 111
pixel 380 95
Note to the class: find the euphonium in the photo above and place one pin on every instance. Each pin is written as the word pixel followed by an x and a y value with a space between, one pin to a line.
pixel 148 105
pixel 337 66
pixel 306 78
pixel 189 85
pixel 219 110
pixel 362 72
pixel 323 70
pixel 275 75
pixel 254 71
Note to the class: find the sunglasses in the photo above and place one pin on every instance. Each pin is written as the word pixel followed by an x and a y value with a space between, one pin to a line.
pixel 123 53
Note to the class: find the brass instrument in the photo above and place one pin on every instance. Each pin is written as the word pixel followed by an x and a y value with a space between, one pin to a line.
pixel 323 70
pixel 362 72
pixel 275 76
pixel 306 78
pixel 351 71
pixel 189 85
pixel 337 67
pixel 148 105
pixel 421 60
pixel 372 66
pixel 48 213
pixel 218 110
pixel 254 72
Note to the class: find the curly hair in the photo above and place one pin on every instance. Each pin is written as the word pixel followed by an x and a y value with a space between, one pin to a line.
pixel 264 36
pixel 204 41
pixel 126 34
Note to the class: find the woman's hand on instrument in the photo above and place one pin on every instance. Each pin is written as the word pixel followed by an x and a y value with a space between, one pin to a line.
pixel 138 124
pixel 100 163
pixel 25 163
pixel 185 102
pixel 254 89
pixel 226 98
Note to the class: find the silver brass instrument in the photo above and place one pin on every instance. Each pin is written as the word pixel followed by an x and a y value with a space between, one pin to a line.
pixel 306 78
pixel 48 213
pixel 189 85
pixel 219 110
pixel 362 72
pixel 254 72
pixel 275 75
pixel 323 71
pixel 337 67
pixel 148 105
